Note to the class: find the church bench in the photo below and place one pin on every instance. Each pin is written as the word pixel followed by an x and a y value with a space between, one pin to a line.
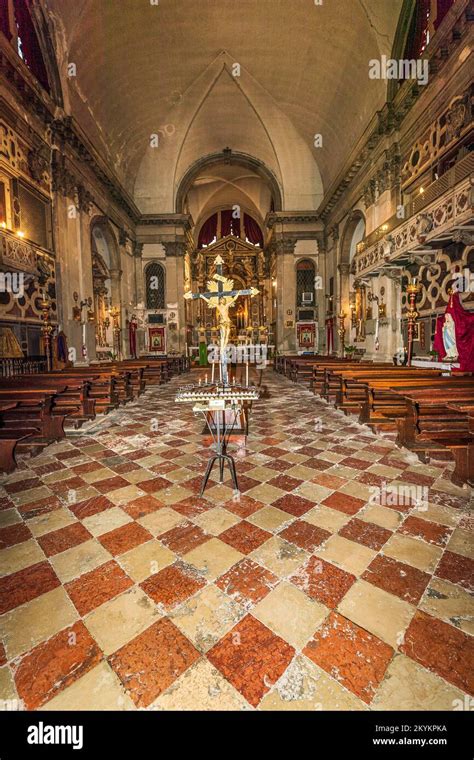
pixel 103 386
pixel 384 402
pixel 436 427
pixel 29 421
pixel 74 396
pixel 9 440
pixel 327 382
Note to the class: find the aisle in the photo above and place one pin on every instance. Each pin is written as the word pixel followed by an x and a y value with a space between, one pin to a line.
pixel 321 586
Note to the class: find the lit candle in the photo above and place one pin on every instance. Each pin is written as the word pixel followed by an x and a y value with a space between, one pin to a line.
pixel 246 373
pixel 213 364
pixel 205 379
pixel 199 381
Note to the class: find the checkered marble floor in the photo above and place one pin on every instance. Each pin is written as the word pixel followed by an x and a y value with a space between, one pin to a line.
pixel 121 589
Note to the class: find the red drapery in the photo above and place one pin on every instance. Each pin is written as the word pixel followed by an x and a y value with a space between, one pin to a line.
pixel 4 25
pixel 464 329
pixel 29 42
pixel 253 231
pixel 229 224
pixel 208 231
pixel 442 8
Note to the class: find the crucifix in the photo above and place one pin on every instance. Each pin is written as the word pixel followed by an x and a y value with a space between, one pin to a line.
pixel 220 295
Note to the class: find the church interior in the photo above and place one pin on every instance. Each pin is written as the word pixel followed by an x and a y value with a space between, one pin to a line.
pixel 236 355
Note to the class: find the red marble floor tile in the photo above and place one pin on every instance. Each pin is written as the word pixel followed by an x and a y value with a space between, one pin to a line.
pixel 318 464
pixel 344 503
pixel 26 584
pixel 376 449
pixel 81 469
pixel 279 465
pixel 138 454
pixel 356 464
pixel 243 506
pixel 366 533
pixel 63 456
pixel 14 534
pixel 155 484
pixel 46 469
pixel 5 503
pixel 171 454
pixel 163 468
pixel 467 522
pixel 329 481
pixel 184 538
pixel 432 532
pixel 338 449
pixel 351 655
pixel 309 451
pixel 105 453
pixel 124 538
pixel 245 483
pixel 171 586
pixel 244 537
pixel 152 661
pixel 91 506
pixel 272 440
pixel 111 484
pixel 125 468
pixel 305 535
pixel 417 478
pixel 39 507
pixel 252 658
pixel 274 452
pixel 371 479
pixel 247 582
pixel 55 664
pixel 397 578
pixel 18 486
pixel 293 504
pixel 457 569
pixel 71 484
pixel 142 506
pixel 442 648
pixel 192 505
pixel 323 581
pixel 285 482
pixel 193 484
pixel 3 655
pixel 59 540
pixel 98 586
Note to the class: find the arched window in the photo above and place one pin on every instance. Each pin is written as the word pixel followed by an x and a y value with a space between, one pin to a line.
pixel 155 286
pixel 305 273
pixel 18 27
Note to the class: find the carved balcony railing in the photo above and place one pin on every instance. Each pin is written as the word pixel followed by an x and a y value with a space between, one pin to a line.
pixel 439 218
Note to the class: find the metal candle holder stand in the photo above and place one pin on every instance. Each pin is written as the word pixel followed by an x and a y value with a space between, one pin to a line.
pixel 221 395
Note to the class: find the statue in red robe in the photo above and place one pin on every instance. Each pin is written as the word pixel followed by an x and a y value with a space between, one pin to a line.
pixel 455 334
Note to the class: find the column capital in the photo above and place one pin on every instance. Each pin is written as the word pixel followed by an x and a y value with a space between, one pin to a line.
pixel 174 248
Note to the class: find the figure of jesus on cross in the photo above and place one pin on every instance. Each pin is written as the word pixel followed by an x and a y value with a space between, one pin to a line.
pixel 220 295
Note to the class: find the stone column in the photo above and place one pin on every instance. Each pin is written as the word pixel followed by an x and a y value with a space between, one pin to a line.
pixel 286 293
pixel 343 300
pixel 175 250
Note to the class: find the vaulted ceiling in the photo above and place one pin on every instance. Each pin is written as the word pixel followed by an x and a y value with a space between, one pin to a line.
pixel 170 70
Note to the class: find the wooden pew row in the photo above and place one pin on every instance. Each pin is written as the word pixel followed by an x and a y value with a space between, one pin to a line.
pixel 74 397
pixel 387 400
pixel 29 421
